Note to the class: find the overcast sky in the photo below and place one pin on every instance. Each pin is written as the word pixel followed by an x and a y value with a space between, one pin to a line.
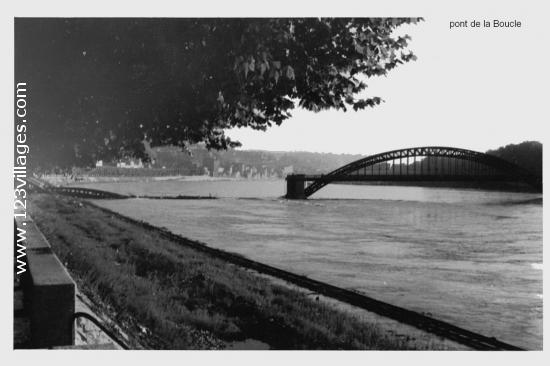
pixel 472 88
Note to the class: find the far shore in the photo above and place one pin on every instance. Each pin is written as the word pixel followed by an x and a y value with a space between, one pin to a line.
pixel 66 180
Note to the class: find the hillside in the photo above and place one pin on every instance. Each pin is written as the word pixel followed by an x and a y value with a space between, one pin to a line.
pixel 248 163
pixel 527 154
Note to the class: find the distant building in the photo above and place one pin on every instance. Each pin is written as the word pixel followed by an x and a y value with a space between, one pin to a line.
pixel 130 163
pixel 216 168
pixel 288 170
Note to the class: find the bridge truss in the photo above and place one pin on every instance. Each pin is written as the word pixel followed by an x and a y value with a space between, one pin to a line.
pixel 428 163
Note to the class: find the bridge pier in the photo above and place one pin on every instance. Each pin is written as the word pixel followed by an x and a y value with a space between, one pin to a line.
pixel 295 185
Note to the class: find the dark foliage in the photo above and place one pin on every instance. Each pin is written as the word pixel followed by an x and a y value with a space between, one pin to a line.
pixel 527 155
pixel 99 87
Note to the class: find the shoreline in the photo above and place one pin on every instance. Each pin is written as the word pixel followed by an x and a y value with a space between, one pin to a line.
pixel 336 295
pixel 385 335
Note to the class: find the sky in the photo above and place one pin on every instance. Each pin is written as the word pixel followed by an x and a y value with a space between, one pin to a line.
pixel 477 89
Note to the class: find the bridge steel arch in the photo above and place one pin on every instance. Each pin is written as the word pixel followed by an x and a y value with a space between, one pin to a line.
pixel 507 171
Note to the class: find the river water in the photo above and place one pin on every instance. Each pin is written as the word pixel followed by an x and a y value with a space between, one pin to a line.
pixel 469 257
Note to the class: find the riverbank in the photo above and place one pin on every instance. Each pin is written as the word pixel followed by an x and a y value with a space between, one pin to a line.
pixel 171 297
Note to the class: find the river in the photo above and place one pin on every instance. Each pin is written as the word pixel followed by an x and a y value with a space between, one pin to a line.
pixel 469 257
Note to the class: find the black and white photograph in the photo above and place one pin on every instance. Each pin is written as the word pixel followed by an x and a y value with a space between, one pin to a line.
pixel 347 180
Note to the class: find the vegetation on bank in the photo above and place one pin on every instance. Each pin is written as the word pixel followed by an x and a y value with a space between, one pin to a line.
pixel 171 161
pixel 173 297
pixel 527 155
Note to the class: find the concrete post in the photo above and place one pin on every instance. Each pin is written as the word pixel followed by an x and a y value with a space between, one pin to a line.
pixel 51 292
pixel 295 185
pixel 52 303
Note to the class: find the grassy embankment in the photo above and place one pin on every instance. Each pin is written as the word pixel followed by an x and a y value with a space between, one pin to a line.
pixel 170 296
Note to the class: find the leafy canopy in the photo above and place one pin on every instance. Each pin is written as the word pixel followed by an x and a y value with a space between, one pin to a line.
pixel 100 87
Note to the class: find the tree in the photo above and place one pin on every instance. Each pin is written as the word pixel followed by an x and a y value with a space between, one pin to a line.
pixel 100 87
pixel 527 155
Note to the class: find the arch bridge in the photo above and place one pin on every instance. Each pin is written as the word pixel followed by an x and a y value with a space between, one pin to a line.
pixel 416 164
